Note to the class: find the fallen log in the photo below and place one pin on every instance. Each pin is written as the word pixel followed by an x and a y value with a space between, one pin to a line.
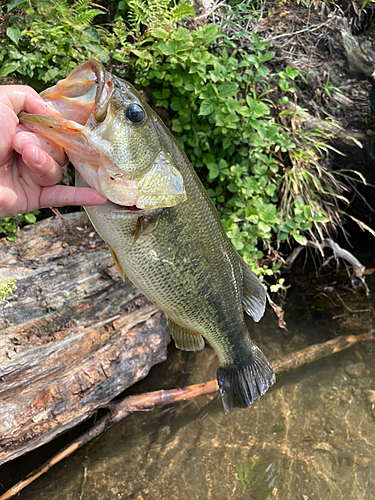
pixel 76 336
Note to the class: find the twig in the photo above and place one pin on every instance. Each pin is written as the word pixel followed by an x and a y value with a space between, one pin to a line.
pixel 314 27
pixel 212 10
pixel 319 351
pixel 279 313
pixel 148 401
pixel 357 277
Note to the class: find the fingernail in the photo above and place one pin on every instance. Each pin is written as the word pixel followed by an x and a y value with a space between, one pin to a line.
pixel 39 157
pixel 22 140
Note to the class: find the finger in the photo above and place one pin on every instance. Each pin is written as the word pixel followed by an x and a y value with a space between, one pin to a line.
pixel 24 138
pixel 13 99
pixel 59 196
pixel 24 98
pixel 45 171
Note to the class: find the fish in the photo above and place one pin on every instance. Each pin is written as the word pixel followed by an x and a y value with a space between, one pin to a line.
pixel 159 223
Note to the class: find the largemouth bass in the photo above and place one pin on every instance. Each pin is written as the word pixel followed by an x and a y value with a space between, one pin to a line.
pixel 159 223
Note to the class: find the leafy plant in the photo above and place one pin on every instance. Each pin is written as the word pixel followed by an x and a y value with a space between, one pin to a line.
pixel 224 118
pixel 152 13
pixel 231 115
pixel 7 288
pixel 11 225
pixel 328 87
pixel 47 39
pixel 245 472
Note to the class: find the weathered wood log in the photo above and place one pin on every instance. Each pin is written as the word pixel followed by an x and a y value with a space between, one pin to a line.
pixel 75 337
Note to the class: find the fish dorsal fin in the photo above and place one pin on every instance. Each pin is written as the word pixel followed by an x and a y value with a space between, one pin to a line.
pixel 117 262
pixel 163 186
pixel 254 293
pixel 185 339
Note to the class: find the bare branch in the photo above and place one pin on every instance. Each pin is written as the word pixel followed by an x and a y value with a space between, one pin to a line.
pixel 357 277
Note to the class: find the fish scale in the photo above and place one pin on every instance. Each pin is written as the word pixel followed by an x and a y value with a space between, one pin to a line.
pixel 159 223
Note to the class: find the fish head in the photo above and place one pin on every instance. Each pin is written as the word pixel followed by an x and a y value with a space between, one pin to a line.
pixel 109 133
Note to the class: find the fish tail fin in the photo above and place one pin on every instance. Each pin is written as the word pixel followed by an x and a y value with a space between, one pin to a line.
pixel 240 386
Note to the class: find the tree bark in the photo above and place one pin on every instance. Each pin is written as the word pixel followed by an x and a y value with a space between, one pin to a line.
pixel 76 336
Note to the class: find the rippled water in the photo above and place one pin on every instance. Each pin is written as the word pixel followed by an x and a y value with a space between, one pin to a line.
pixel 312 436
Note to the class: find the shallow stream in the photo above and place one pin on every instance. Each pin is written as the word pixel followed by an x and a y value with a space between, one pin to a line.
pixel 312 436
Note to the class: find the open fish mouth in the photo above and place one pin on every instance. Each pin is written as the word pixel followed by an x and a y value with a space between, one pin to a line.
pixel 86 90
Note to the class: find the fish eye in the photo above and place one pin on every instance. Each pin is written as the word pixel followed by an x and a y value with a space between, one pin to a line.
pixel 135 113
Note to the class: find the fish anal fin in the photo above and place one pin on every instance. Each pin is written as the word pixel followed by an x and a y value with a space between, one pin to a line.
pixel 185 339
pixel 117 262
pixel 240 386
pixel 254 294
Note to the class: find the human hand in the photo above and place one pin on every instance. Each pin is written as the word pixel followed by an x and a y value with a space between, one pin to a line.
pixel 30 165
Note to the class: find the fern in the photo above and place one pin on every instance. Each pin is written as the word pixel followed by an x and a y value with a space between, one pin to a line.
pixel 156 13
pixel 79 15
pixel 180 11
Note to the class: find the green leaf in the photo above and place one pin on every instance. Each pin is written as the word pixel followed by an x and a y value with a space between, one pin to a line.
pixel 291 73
pixel 283 84
pixel 91 34
pixel 228 89
pixel 226 142
pixel 176 104
pixel 261 109
pixel 267 56
pixel 13 33
pixel 321 218
pixel 283 236
pixel 265 228
pixel 207 107
pixel 159 32
pixel 263 71
pixel 213 171
pixel 300 239
pixel 30 218
pixel 244 111
pixel 8 68
pixel 177 82
pixel 233 188
pixel 270 189
pixel 291 224
pixel 307 212
pixel 15 3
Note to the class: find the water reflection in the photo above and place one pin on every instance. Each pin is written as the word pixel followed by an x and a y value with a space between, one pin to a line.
pixel 260 481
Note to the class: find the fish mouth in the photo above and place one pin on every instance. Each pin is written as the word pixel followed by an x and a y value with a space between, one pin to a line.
pixel 84 92
pixel 127 208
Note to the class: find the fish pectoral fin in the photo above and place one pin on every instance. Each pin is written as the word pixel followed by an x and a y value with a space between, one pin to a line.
pixel 163 186
pixel 117 262
pixel 146 225
pixel 254 294
pixel 185 339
